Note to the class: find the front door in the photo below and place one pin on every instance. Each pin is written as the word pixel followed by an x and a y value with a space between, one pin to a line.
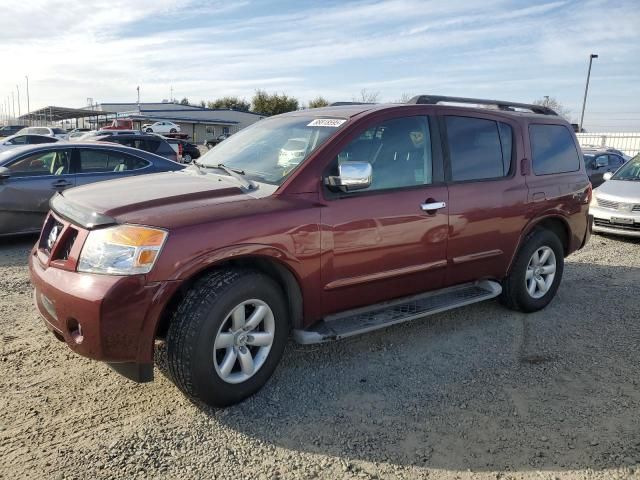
pixel 25 194
pixel 382 243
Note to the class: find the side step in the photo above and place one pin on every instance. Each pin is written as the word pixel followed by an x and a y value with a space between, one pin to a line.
pixel 367 319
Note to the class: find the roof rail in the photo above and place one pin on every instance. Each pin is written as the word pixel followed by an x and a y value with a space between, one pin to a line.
pixel 340 104
pixel 502 105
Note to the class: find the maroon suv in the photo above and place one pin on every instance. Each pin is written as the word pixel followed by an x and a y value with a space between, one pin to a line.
pixel 326 223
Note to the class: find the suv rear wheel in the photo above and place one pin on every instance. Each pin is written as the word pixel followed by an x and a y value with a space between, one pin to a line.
pixel 536 273
pixel 227 336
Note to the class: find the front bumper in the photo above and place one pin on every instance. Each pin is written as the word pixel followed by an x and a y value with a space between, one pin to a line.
pixel 615 222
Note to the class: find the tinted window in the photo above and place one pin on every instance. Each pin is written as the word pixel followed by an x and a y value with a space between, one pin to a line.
pixel 615 161
pixel 96 161
pixel 553 149
pixel 59 131
pixel 21 140
pixel 34 139
pixel 42 163
pixel 398 150
pixel 478 148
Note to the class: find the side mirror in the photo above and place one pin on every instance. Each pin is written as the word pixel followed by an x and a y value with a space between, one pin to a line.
pixel 601 162
pixel 4 173
pixel 607 176
pixel 351 176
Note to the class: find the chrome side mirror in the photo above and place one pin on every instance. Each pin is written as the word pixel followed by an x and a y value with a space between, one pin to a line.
pixel 607 176
pixel 4 173
pixel 351 176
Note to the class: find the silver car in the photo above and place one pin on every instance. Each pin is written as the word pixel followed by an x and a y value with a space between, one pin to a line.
pixel 31 175
pixel 615 205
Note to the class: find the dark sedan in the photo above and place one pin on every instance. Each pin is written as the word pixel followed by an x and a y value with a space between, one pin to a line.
pixel 30 175
pixel 149 143
pixel 599 162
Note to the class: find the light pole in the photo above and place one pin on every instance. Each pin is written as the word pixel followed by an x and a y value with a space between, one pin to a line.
pixel 28 106
pixel 13 102
pixel 18 90
pixel 586 89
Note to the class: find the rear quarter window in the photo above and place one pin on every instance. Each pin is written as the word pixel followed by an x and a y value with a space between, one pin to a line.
pixel 553 149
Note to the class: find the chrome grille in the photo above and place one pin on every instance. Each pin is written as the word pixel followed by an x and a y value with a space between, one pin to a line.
pixel 608 204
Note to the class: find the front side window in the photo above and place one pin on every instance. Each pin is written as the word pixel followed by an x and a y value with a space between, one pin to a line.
pixel 553 150
pixel 42 163
pixel 263 151
pixel 478 148
pixel 398 150
pixel 21 140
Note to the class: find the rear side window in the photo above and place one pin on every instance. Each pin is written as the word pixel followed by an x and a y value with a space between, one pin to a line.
pixel 478 148
pixel 553 149
pixel 98 161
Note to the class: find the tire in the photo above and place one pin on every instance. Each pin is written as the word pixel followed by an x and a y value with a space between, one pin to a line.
pixel 173 130
pixel 186 158
pixel 516 287
pixel 196 363
pixel 149 130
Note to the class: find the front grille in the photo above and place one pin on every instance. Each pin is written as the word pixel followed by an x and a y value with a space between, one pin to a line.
pixel 62 253
pixel 608 204
pixel 636 208
pixel 48 238
pixel 635 227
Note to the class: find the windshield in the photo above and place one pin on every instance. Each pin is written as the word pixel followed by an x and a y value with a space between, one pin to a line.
pixel 269 150
pixel 629 171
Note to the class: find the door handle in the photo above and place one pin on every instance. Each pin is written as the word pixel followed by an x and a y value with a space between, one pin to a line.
pixel 61 184
pixel 431 206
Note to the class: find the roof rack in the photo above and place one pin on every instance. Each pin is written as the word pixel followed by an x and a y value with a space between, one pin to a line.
pixel 340 104
pixel 502 105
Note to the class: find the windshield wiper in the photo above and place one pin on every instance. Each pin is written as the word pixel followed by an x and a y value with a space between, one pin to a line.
pixel 237 174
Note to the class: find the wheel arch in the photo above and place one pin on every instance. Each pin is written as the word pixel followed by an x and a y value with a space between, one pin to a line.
pixel 284 276
pixel 554 223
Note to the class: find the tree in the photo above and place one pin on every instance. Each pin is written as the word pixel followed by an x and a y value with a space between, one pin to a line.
pixel 555 105
pixel 405 97
pixel 318 102
pixel 367 96
pixel 184 101
pixel 203 104
pixel 273 103
pixel 230 102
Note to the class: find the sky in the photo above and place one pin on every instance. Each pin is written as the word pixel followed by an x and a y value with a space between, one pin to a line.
pixel 512 50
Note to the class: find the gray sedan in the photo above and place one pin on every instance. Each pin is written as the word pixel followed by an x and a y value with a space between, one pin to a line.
pixel 31 175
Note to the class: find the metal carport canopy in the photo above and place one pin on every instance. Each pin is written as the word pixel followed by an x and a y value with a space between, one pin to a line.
pixel 55 114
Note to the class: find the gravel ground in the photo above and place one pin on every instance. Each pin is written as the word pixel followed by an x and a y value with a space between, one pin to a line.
pixel 480 392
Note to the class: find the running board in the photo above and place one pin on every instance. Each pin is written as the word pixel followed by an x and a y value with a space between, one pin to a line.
pixel 367 319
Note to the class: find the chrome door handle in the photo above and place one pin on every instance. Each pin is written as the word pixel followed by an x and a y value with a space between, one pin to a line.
pixel 428 207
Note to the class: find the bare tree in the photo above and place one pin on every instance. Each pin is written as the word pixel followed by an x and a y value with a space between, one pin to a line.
pixel 555 105
pixel 405 97
pixel 367 96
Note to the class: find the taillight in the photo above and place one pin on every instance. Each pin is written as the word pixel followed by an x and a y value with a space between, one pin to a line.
pixel 589 194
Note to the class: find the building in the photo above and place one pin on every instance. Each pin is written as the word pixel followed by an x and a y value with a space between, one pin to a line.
pixel 199 123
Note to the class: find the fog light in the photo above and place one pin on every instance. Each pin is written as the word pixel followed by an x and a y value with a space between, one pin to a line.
pixel 75 330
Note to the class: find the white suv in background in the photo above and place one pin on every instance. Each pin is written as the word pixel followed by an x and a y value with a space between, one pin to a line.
pixel 161 127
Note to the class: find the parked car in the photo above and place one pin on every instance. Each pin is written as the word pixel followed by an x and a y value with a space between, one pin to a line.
pixel 615 206
pixel 148 143
pixel 599 162
pixel 190 151
pixel 77 133
pixel 394 212
pixel 30 175
pixel 212 142
pixel 60 133
pixel 18 140
pixel 161 127
pixel 8 130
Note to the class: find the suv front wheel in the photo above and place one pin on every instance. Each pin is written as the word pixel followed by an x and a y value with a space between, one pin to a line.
pixel 535 274
pixel 227 336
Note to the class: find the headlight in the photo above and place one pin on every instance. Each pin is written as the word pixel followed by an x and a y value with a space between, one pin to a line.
pixel 121 250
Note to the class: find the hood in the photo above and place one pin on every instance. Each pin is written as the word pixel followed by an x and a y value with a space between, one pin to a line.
pixel 162 199
pixel 626 191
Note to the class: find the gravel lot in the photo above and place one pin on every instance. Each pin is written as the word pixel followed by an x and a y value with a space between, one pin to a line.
pixel 479 392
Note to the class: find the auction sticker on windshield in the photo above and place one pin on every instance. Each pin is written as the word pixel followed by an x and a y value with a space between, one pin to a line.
pixel 327 122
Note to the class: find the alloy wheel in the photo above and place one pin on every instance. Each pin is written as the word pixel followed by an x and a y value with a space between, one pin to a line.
pixel 541 270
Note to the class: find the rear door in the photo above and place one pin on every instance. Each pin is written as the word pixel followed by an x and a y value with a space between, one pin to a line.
pixel 486 195
pixel 35 178
pixel 95 165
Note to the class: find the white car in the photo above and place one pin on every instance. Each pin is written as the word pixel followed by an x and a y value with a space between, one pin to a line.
pixel 161 127
pixel 615 205
pixel 19 140
pixel 48 131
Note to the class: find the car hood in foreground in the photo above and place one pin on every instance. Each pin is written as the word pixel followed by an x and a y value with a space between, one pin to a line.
pixel 163 199
pixel 620 191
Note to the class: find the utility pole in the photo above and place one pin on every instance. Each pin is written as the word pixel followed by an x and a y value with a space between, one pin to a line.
pixel 13 102
pixel 18 90
pixel 28 106
pixel 171 96
pixel 138 89
pixel 586 89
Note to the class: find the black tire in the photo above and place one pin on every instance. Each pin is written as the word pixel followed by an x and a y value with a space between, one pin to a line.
pixel 197 320
pixel 514 292
pixel 149 130
pixel 173 130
